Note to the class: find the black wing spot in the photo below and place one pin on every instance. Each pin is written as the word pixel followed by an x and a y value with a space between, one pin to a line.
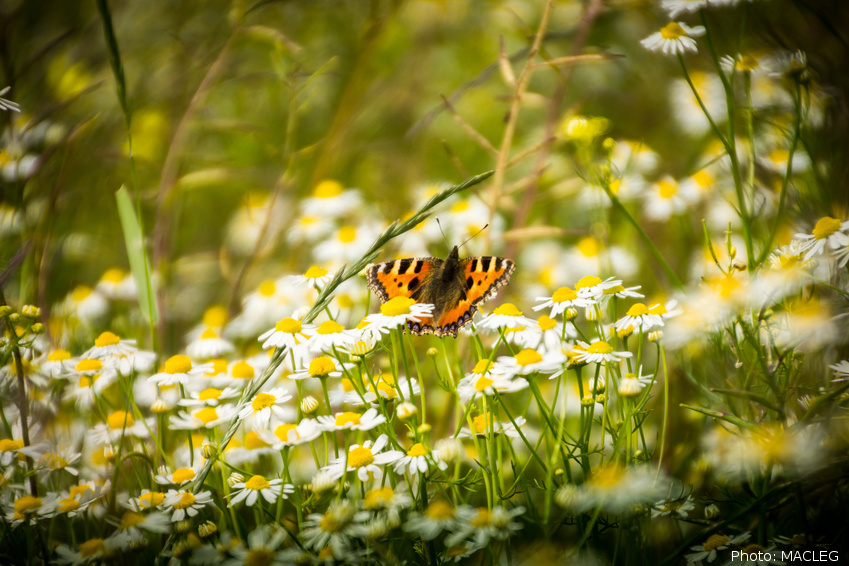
pixel 485 261
pixel 400 284
pixel 474 265
pixel 419 265
pixel 469 282
pixel 404 265
pixel 497 264
pixel 413 283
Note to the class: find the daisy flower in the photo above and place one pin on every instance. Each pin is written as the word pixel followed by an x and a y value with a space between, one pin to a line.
pixel 146 500
pixel 89 551
pixel 474 385
pixel 320 367
pixel 288 332
pixel 204 417
pixel 599 351
pixel 347 244
pixel 27 508
pixel 59 458
pixel 482 427
pixel 365 460
pixel 111 345
pixel 179 477
pixel 285 434
pixel 387 388
pixel 117 284
pixel 439 516
pixel 177 370
pixel 352 421
pixel 632 385
pixel 184 504
pixel 483 525
pixel 386 500
pixel 675 38
pixel 592 289
pixel 563 298
pixel 209 345
pixel 677 7
pixel 210 396
pixel 394 313
pixel 119 424
pixel 827 231
pixel 270 302
pixel 679 507
pixel 418 459
pixel 57 364
pixel 314 276
pixel 330 199
pixel 708 549
pixel 841 370
pixel 333 529
pixel 505 316
pixel 263 548
pixel 264 405
pixel 249 491
pixel 530 361
pixel 330 335
pixel 129 533
pixel 667 198
pixel 639 318
pixel 615 489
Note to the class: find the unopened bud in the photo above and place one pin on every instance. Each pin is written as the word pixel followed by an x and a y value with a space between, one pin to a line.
pixel 31 311
pixel 207 528
pixel 309 405
pixel 235 478
pixel 406 410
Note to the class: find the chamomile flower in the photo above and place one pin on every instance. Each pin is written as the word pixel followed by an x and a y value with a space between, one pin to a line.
pixel 184 504
pixel 331 200
pixel 439 516
pixel 474 385
pixel 418 458
pixel 288 333
pixel 321 367
pixel 130 529
pixel 179 477
pixel 86 304
pixel 396 312
pixel 285 434
pixel 366 460
pixel 678 507
pixel 208 345
pixel 332 529
pixel 632 385
pixel 841 370
pixel 505 316
pixel 352 421
pixel 250 490
pixel 204 417
pixel 715 542
pixel 117 284
pixel 482 525
pixel 530 361
pixel 593 290
pixel 563 298
pixel 146 500
pixel 27 508
pixel 266 405
pixel 483 427
pixel 827 231
pixel 314 276
pixel 89 551
pixel 69 503
pixel 615 489
pixel 639 318
pixel 178 369
pixel 118 424
pixel 348 243
pixel 109 345
pixel 386 387
pixel 57 459
pixel 263 548
pixel 675 38
pixel 677 7
pixel 210 396
pixel 598 352
pixel 330 335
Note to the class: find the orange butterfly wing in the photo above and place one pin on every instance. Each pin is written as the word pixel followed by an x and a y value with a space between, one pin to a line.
pixel 483 276
pixel 399 278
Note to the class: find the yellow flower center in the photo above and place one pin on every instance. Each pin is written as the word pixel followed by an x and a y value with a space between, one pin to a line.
pixel 347 234
pixel 359 457
pixel 151 499
pixel 89 364
pixel 107 339
pixel 658 309
pixel 528 356
pixel 68 505
pixel 600 347
pixel 666 188
pixel 440 511
pixel 315 272
pixel 638 309
pixel 747 63
pixel 328 189
pixel 588 246
pixel 321 366
pixel 564 294
pixel 207 415
pixel 482 383
pixel 267 289
pixel 208 334
pixel 345 418
pixel 219 366
pixel 378 497
pixel 289 326
pixel 387 390
pixel 672 31
pixel 186 500
pixel 330 524
pixel 118 418
pixel 114 275
pixel 546 322
pixel 460 206
pixel 80 293
pixel 54 461
pixel 130 519
pixel 703 179
pixel 417 449
pixel 257 483
pixel 215 315
pixel 254 442
pixel 27 503
pixel 482 366
pixel 715 541
pixel 183 474
pixel 826 226
pixel 608 476
pixel 397 306
pixel 178 364
pixel 92 547
pixel 59 355
pixel 243 370
pixel 330 327
pixel 480 424
pixel 508 309
pixel 259 557
pixel 7 445
pixel 209 393
pixel 282 432
pixel 588 281
pixel 262 401
pixel 481 519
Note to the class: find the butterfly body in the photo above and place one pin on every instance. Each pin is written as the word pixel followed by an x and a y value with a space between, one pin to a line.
pixel 455 287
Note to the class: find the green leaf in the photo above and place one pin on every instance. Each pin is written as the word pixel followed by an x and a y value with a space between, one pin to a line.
pixel 139 265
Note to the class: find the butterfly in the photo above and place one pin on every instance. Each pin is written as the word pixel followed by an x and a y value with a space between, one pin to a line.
pixel 455 287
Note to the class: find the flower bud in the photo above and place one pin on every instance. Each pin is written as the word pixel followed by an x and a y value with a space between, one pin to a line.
pixel 235 478
pixel 31 311
pixel 209 451
pixel 712 511
pixel 309 405
pixel 406 410
pixel 207 528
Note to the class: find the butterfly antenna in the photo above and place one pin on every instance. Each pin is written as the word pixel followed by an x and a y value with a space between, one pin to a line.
pixel 475 234
pixel 438 223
